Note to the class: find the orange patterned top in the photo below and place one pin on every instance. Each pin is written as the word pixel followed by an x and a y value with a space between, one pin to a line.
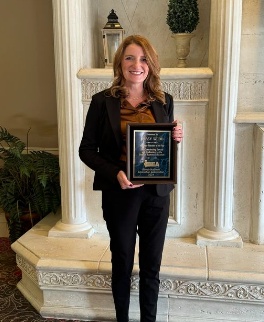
pixel 130 114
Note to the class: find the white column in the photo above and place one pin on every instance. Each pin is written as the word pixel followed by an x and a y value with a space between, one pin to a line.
pixel 68 60
pixel 257 231
pixel 224 53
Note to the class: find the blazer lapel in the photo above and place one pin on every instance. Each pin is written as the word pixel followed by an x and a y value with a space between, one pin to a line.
pixel 113 109
pixel 158 111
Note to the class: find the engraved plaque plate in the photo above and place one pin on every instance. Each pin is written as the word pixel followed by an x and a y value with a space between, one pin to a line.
pixel 151 153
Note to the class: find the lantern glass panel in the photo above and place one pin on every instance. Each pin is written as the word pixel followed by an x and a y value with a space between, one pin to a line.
pixel 113 42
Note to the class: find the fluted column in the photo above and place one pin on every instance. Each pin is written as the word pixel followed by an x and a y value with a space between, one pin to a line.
pixel 224 53
pixel 68 43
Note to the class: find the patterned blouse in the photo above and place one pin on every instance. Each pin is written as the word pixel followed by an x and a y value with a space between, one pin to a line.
pixel 129 114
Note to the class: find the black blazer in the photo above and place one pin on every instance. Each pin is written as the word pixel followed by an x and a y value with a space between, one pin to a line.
pixel 100 147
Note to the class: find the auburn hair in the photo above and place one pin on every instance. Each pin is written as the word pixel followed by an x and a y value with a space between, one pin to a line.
pixel 152 83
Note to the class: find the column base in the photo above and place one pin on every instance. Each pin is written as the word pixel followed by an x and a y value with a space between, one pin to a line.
pixel 207 237
pixel 84 230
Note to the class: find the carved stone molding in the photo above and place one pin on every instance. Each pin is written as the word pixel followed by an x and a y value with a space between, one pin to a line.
pixel 27 268
pixel 215 290
pixel 74 279
pixel 189 90
pixel 208 289
pixel 89 88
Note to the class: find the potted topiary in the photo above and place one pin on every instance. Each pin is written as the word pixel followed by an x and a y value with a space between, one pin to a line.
pixel 29 184
pixel 182 18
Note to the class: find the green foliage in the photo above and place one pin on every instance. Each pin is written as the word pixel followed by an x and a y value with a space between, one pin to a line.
pixel 27 181
pixel 182 16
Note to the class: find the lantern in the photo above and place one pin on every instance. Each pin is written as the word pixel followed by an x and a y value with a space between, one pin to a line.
pixel 113 35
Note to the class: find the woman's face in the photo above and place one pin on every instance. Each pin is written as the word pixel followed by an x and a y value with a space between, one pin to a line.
pixel 134 65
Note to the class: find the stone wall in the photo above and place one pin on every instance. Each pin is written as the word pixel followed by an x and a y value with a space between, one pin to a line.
pixel 251 84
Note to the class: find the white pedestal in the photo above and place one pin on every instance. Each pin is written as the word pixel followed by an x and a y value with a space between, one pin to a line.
pixel 71 279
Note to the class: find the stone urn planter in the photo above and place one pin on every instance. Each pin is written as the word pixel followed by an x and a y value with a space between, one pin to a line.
pixel 183 41
pixel 182 18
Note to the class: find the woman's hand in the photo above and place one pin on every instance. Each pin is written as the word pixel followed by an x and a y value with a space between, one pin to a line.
pixel 177 132
pixel 124 182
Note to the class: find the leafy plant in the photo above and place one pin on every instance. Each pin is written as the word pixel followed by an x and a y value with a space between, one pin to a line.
pixel 182 16
pixel 29 182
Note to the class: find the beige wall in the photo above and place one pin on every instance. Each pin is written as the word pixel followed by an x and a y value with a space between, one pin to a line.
pixel 27 75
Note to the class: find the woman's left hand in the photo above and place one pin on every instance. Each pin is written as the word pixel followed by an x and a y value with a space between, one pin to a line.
pixel 177 132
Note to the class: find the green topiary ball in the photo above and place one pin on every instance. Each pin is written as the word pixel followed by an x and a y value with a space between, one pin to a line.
pixel 183 16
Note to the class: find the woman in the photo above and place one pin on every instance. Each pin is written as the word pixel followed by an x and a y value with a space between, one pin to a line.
pixel 128 209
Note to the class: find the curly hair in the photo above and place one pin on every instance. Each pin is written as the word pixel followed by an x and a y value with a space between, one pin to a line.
pixel 152 83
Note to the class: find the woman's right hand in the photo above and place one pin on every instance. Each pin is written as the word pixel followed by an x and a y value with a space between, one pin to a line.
pixel 125 183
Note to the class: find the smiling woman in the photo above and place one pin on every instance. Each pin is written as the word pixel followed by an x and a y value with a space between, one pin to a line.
pixel 130 209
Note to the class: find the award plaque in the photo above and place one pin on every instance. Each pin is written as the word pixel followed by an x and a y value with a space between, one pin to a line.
pixel 151 153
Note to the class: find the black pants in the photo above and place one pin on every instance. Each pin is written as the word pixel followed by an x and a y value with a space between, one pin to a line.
pixel 128 212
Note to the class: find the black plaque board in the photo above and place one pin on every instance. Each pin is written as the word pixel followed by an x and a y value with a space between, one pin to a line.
pixel 151 153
